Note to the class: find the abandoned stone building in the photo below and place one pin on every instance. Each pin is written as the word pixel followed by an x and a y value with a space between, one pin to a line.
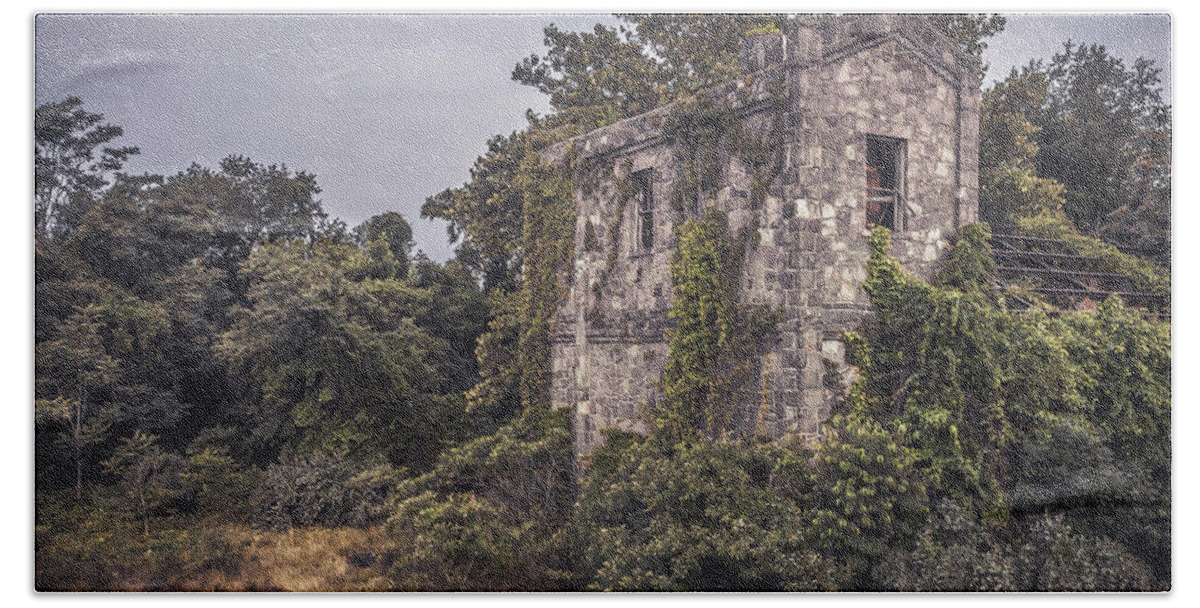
pixel 880 117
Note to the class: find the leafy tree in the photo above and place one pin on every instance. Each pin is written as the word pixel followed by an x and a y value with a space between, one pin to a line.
pixel 149 474
pixel 497 396
pixel 99 372
pixel 493 513
pixel 485 213
pixel 395 229
pixel 139 257
pixel 457 317
pixel 247 204
pixel 595 78
pixel 216 478
pixel 331 357
pixel 73 373
pixel 138 236
pixel 72 163
pixel 1085 137
pixel 131 264
pixel 1009 186
pixel 969 30
pixel 1105 133
pixel 700 49
pixel 711 515
pixel 321 490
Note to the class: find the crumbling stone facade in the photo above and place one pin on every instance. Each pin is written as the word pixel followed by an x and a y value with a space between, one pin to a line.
pixel 880 115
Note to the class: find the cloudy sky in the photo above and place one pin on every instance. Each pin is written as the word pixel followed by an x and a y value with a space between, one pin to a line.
pixel 384 109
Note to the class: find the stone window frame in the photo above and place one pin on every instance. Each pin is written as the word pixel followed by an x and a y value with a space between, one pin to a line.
pixel 899 149
pixel 644 234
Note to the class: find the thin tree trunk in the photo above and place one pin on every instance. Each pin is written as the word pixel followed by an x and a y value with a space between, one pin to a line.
pixel 78 476
pixel 145 511
pixel 77 429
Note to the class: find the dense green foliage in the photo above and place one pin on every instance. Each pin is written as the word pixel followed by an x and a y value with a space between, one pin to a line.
pixel 1084 135
pixel 71 164
pixel 214 354
pixel 599 77
pixel 714 347
pixel 978 450
pixel 1146 274
pixel 320 490
pixel 549 243
pixel 493 513
pixel 1018 416
pixel 712 515
pixel 212 344
pixel 331 357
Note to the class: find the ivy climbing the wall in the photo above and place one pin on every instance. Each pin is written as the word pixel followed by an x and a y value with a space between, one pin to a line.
pixel 715 344
pixel 1012 417
pixel 549 246
pixel 705 129
pixel 698 126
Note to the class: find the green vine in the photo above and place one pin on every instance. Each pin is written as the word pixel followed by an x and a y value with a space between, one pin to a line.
pixel 697 127
pixel 769 28
pixel 716 344
pixel 549 239
pixel 591 242
pixel 700 127
pixel 763 154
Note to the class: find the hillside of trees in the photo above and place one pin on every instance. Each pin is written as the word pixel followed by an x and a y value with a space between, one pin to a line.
pixel 235 391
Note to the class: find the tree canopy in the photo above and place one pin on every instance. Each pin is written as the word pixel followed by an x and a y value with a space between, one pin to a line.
pixel 72 163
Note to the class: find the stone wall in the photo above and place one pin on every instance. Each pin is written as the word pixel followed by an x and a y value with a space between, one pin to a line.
pixel 844 79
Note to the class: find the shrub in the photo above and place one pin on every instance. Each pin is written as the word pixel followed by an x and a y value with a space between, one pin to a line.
pixel 713 515
pixel 956 551
pixel 213 480
pixel 1056 557
pixel 493 513
pixel 866 496
pixel 1013 416
pixel 324 490
pixel 97 547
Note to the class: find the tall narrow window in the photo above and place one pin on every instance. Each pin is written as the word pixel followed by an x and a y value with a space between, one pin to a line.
pixel 885 181
pixel 644 181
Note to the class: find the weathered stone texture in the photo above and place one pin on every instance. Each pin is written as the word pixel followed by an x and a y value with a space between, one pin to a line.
pixel 845 78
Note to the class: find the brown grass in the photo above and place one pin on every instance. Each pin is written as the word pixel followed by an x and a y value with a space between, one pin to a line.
pixel 306 559
pixel 313 559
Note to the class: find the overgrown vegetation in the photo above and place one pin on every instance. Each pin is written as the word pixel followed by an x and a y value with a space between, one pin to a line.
pixel 714 347
pixel 235 392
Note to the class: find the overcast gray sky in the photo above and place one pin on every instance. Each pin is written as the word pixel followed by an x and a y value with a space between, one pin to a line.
pixel 384 109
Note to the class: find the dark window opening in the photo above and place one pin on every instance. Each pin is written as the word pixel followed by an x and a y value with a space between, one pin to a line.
pixel 645 208
pixel 885 182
